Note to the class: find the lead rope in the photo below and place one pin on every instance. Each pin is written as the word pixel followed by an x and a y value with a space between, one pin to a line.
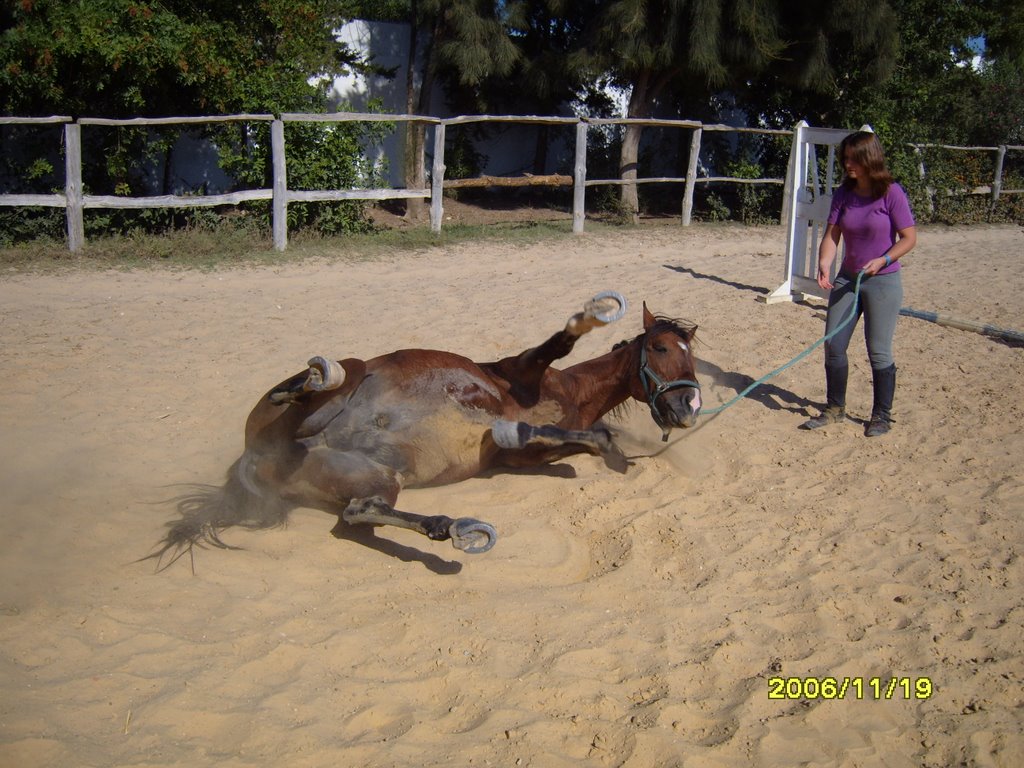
pixel 718 409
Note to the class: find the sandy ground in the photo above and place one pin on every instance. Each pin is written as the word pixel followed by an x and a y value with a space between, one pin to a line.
pixel 622 619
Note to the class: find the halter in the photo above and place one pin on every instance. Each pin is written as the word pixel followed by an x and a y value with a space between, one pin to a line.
pixel 649 377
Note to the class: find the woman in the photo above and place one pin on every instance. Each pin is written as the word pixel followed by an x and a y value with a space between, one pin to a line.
pixel 871 214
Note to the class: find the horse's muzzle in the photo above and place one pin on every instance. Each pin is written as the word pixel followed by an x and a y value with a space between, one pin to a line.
pixel 680 407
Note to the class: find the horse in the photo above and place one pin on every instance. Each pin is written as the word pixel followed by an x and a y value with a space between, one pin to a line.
pixel 346 436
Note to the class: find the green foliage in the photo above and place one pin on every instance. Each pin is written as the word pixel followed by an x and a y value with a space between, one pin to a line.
pixel 107 57
pixel 18 225
pixel 382 10
pixel 998 114
pixel 461 159
pixel 753 198
pixel 30 162
pixel 713 208
pixel 320 156
pixel 603 144
pixel 931 92
pixel 948 195
pixel 1004 38
pixel 128 58
pixel 332 156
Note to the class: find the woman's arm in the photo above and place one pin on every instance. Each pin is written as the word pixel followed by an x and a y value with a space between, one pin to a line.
pixel 906 239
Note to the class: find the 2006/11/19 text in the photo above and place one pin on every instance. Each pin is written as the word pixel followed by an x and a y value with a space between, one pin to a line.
pixel 876 688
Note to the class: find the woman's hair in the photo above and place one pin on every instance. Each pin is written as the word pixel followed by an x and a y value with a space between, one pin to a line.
pixel 864 149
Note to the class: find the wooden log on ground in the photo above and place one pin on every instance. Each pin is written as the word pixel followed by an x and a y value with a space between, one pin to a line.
pixel 527 180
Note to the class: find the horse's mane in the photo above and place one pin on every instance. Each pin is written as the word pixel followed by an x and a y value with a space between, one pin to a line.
pixel 682 328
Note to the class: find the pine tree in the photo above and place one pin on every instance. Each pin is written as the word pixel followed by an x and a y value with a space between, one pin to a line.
pixel 660 48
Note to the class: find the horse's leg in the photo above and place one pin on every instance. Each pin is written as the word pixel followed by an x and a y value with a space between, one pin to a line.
pixel 369 489
pixel 526 369
pixel 524 445
pixel 518 435
pixel 323 375
pixel 602 309
pixel 471 536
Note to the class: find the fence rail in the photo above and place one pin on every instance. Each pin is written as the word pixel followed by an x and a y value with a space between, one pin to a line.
pixel 75 201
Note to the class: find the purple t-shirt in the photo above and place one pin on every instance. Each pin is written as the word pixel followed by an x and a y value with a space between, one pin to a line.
pixel 869 225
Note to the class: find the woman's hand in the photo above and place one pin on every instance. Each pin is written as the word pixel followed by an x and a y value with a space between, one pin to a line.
pixel 823 277
pixel 906 240
pixel 874 266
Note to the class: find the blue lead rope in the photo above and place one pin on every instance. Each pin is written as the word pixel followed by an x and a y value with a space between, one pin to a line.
pixel 846 321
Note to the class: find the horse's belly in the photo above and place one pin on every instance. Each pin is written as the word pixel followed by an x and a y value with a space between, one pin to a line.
pixel 445 416
pixel 429 426
pixel 445 445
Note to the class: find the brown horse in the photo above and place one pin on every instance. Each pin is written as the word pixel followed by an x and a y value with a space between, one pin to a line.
pixel 347 436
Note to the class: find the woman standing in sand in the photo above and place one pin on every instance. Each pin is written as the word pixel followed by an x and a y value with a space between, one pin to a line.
pixel 871 214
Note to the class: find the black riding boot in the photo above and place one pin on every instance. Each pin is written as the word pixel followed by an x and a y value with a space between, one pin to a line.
pixel 884 381
pixel 835 397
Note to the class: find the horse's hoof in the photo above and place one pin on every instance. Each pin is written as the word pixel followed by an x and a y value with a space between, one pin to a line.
pixel 604 439
pixel 324 374
pixel 606 307
pixel 472 536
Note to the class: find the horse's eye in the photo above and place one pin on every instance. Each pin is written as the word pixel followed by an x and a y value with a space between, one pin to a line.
pixel 660 348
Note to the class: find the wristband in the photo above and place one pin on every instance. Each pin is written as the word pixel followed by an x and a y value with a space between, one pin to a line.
pixel 888 260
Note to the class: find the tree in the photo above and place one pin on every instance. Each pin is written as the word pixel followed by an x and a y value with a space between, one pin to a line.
pixel 465 45
pixel 1001 107
pixel 459 42
pixel 1004 33
pixel 132 58
pixel 145 58
pixel 545 32
pixel 954 80
pixel 700 47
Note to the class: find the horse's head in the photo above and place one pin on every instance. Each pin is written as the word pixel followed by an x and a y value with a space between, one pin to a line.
pixel 668 372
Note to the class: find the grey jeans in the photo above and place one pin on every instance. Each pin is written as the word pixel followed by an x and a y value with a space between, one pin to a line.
pixel 880 299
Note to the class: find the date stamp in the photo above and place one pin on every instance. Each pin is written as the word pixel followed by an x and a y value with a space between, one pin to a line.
pixel 859 688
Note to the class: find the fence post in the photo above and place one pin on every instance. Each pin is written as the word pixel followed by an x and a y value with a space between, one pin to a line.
pixel 997 183
pixel 437 180
pixel 579 189
pixel 73 186
pixel 920 169
pixel 279 216
pixel 691 175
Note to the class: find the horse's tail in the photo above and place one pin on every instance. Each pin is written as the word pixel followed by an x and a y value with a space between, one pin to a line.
pixel 207 510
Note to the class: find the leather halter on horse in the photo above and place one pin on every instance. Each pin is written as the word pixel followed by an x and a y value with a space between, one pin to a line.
pixel 649 377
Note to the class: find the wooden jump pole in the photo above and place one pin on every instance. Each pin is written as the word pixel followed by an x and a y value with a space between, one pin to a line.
pixel 964 325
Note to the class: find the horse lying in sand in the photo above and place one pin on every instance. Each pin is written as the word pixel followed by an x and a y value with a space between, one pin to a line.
pixel 346 436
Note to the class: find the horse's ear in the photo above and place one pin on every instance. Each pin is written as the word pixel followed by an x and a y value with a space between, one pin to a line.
pixel 648 317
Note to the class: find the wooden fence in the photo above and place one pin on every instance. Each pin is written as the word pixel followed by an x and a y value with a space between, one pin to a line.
pixel 75 201
pixel 995 189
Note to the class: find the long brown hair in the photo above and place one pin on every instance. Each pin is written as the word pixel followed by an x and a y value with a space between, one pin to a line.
pixel 864 148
